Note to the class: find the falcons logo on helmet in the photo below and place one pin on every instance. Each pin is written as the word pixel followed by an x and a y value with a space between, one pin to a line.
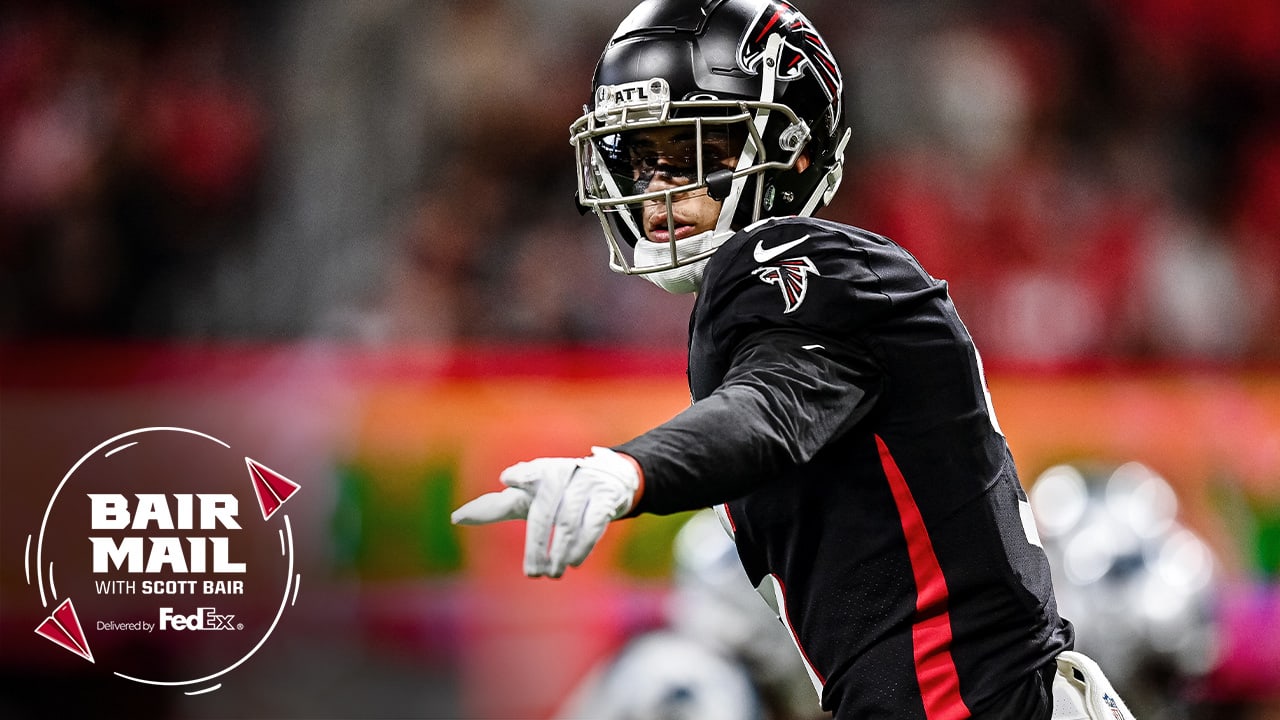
pixel 792 278
pixel 803 48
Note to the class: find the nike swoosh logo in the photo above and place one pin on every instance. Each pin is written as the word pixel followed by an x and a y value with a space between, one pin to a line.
pixel 763 255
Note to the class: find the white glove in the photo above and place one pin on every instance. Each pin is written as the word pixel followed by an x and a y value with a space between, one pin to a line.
pixel 1082 692
pixel 568 503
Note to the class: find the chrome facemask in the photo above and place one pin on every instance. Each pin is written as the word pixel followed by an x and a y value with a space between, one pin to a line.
pixel 617 198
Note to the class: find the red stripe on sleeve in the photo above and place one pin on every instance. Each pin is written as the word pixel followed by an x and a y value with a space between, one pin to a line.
pixel 931 632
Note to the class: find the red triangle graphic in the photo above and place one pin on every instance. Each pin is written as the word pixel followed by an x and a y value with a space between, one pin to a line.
pixel 66 617
pixel 281 486
pixel 50 629
pixel 266 500
pixel 63 628
pixel 271 488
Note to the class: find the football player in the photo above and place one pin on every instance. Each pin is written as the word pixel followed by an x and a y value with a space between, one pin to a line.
pixel 841 424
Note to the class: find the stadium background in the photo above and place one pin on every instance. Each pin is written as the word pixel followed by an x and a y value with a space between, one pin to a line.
pixel 342 235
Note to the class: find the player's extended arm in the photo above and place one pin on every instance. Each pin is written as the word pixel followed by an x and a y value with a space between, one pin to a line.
pixel 568 503
pixel 782 401
pixel 786 396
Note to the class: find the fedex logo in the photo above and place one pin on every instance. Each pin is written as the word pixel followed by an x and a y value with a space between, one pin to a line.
pixel 205 618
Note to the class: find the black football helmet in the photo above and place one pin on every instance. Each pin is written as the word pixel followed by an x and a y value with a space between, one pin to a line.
pixel 751 87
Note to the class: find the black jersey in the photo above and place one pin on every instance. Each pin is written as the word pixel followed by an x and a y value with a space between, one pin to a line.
pixel 841 413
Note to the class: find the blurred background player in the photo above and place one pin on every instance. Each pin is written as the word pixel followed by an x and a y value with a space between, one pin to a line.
pixel 722 654
pixel 1140 585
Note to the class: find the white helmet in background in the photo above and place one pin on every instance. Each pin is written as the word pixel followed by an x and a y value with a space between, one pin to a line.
pixel 724 655
pixel 1138 584
pixel 714 602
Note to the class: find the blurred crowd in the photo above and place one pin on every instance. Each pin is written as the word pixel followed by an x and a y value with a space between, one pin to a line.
pixel 1095 179
pixel 132 142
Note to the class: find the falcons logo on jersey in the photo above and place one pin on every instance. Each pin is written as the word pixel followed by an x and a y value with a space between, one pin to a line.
pixel 803 48
pixel 792 278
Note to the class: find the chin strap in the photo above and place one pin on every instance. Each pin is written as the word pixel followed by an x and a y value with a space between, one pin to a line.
pixel 831 181
pixel 687 277
pixel 769 80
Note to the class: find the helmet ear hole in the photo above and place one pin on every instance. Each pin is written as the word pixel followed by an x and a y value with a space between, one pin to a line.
pixel 789 189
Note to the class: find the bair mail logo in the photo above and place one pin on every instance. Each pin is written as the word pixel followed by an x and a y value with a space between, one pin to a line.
pixel 165 558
